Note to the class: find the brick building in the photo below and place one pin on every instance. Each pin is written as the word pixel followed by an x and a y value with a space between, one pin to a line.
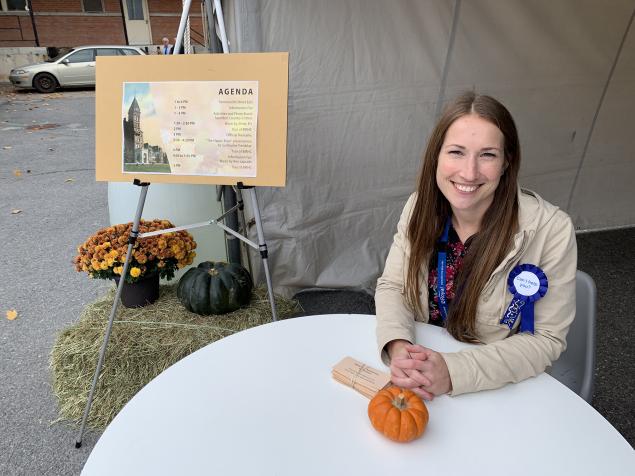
pixel 64 23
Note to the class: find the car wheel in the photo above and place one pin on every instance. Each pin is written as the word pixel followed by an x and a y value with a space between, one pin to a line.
pixel 45 83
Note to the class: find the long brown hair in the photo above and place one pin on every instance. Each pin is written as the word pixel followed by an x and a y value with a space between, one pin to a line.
pixel 499 224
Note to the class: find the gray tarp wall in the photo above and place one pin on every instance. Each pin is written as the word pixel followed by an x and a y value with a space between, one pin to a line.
pixel 367 78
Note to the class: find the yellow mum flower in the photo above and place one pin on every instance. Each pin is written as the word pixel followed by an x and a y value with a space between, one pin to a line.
pixel 111 261
pixel 118 270
pixel 135 272
pixel 103 265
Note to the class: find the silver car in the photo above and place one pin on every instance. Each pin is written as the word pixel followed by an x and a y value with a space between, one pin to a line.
pixel 73 68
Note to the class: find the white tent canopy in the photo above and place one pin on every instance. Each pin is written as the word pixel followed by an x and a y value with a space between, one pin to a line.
pixel 367 78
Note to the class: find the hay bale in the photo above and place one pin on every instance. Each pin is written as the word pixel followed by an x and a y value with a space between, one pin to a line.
pixel 143 343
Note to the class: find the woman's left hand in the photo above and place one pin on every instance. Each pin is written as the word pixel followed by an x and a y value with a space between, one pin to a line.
pixel 431 364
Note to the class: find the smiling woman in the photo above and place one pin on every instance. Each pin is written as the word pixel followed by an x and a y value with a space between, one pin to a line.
pixel 464 239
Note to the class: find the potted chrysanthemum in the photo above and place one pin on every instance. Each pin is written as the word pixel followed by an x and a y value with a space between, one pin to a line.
pixel 103 255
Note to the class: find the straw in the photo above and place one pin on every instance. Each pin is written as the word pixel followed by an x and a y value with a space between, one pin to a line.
pixel 144 342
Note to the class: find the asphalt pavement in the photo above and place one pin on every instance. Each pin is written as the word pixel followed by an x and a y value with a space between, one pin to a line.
pixel 49 204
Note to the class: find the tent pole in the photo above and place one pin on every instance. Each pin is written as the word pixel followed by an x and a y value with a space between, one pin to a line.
pixel 262 245
pixel 184 16
pixel 209 27
pixel 221 25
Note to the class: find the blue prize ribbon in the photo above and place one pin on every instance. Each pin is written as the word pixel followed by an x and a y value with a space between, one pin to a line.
pixel 536 284
pixel 441 263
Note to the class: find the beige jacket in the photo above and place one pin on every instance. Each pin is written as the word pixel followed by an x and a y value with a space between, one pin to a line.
pixel 546 239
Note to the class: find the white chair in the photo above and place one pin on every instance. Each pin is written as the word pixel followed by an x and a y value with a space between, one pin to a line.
pixel 576 365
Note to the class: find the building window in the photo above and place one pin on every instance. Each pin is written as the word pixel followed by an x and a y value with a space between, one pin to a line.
pixel 12 5
pixel 135 9
pixel 93 6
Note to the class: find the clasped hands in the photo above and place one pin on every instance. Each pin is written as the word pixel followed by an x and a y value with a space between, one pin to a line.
pixel 419 369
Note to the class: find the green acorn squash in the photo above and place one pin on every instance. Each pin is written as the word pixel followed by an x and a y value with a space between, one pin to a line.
pixel 215 288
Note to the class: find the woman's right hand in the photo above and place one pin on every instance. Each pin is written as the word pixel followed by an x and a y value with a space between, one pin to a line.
pixel 409 378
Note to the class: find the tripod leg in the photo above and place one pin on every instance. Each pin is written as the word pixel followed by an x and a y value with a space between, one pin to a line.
pixel 263 252
pixel 242 226
pixel 270 289
pixel 113 311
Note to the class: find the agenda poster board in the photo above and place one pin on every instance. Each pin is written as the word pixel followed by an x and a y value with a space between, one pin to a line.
pixel 199 119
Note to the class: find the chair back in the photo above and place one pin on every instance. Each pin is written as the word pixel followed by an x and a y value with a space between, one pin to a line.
pixel 576 365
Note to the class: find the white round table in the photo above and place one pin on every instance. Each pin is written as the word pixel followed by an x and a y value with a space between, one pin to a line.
pixel 263 402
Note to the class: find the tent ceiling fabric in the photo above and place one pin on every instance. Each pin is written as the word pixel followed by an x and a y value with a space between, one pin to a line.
pixel 365 81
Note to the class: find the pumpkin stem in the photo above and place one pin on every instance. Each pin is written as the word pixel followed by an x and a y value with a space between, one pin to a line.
pixel 400 401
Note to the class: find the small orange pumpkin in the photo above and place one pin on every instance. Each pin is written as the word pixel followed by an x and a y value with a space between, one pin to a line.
pixel 398 413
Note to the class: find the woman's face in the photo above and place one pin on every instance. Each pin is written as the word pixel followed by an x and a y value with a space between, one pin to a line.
pixel 470 165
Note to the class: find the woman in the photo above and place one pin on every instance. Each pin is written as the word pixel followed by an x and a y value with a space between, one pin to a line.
pixel 492 263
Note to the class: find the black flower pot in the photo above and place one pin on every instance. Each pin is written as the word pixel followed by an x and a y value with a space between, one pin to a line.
pixel 140 293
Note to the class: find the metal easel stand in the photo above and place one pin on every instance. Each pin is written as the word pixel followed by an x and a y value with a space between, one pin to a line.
pixel 134 234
